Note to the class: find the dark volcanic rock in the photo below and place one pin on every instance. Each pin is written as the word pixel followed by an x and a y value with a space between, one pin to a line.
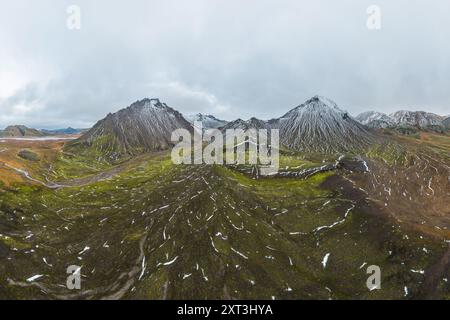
pixel 353 165
pixel 28 155
pixel 4 250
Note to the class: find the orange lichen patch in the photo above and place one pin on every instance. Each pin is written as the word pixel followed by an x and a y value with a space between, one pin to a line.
pixel 439 138
pixel 415 191
pixel 432 139
pixel 47 151
pixel 8 177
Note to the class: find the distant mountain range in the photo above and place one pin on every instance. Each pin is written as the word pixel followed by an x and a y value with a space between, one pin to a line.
pixel 374 119
pixel 68 130
pixel 252 123
pixel 403 119
pixel 17 131
pixel 317 125
pixel 208 121
pixel 21 131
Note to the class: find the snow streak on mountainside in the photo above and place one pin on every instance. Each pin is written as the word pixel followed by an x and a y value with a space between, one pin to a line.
pixel 319 125
pixel 146 125
pixel 208 121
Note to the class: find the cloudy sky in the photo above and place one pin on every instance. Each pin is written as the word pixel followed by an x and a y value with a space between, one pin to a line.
pixel 231 58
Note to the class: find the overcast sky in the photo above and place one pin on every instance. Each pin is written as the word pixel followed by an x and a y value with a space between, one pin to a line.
pixel 229 58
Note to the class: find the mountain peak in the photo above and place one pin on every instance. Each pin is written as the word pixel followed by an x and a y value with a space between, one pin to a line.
pixel 319 125
pixel 208 121
pixel 146 125
pixel 402 119
pixel 323 100
pixel 418 119
pixel 148 102
pixel 252 123
pixel 375 119
pixel 316 104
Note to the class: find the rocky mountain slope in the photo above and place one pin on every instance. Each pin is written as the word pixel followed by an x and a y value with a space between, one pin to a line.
pixel 20 131
pixel 146 125
pixel 319 125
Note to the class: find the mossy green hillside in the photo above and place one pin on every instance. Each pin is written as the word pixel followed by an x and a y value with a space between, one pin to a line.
pixel 157 230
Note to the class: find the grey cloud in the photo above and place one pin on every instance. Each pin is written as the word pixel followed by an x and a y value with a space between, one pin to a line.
pixel 230 58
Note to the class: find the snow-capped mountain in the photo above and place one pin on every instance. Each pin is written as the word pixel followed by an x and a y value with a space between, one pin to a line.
pixel 402 119
pixel 252 123
pixel 374 119
pixel 446 123
pixel 319 125
pixel 146 125
pixel 208 121
pixel 418 119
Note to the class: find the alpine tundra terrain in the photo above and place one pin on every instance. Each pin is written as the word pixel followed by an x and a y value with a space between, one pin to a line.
pixel 350 193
